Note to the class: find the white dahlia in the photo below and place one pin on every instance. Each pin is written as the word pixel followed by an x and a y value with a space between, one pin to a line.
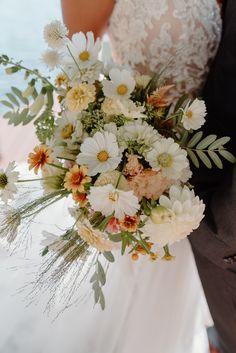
pixel 55 34
pixel 176 217
pixel 8 178
pixel 168 157
pixel 52 58
pixel 130 110
pixel 108 200
pixel 100 153
pixel 139 132
pixel 194 114
pixel 69 128
pixel 121 84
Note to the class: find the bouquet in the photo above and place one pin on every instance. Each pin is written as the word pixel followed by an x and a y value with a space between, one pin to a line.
pixel 116 142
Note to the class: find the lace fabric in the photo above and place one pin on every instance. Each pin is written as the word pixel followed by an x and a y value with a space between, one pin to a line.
pixel 146 35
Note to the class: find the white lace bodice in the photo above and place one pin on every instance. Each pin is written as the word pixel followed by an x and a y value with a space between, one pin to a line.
pixel 147 34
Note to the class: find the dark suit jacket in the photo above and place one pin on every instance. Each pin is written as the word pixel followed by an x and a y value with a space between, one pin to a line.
pixel 218 187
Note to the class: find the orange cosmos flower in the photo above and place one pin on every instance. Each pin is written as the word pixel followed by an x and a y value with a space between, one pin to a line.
pixel 80 198
pixel 76 178
pixel 39 158
pixel 129 223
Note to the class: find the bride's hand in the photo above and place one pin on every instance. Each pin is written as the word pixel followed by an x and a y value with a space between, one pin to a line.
pixel 87 15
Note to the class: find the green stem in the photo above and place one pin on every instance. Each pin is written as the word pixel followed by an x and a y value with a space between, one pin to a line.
pixel 73 58
pixel 32 72
pixel 58 166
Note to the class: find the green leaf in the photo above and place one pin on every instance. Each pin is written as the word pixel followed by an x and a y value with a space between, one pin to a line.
pixel 206 142
pixel 216 159
pixel 102 300
pixel 109 256
pixel 184 138
pixel 13 99
pixel 193 158
pixel 195 139
pixel 180 102
pixel 7 104
pixel 204 159
pixel 218 143
pixel 116 238
pixel 227 155
pixel 124 244
pixel 97 293
pixel 18 93
pixel 101 273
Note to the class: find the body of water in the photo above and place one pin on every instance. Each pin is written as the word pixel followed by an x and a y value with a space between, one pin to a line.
pixel 21 28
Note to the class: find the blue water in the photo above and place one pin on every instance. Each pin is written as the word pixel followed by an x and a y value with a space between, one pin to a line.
pixel 21 35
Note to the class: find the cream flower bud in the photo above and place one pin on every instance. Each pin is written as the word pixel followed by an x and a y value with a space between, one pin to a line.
pixel 160 215
pixel 37 105
pixel 28 91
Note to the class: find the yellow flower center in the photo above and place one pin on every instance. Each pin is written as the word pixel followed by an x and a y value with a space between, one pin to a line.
pixel 3 181
pixel 113 196
pixel 122 89
pixel 165 160
pixel 102 156
pixel 67 131
pixel 84 55
pixel 189 114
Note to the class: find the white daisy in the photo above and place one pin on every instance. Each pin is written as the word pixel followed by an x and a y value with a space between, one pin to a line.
pixel 140 133
pixel 55 34
pixel 108 200
pixel 8 178
pixel 121 84
pixel 168 157
pixel 100 153
pixel 83 50
pixel 176 217
pixel 52 58
pixel 194 115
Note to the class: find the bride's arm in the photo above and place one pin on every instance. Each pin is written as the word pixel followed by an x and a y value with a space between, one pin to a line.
pixel 87 15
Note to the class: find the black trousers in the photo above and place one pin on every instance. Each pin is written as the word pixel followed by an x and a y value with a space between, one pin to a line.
pixel 220 289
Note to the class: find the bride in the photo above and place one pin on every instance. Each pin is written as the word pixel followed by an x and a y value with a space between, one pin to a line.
pixel 151 307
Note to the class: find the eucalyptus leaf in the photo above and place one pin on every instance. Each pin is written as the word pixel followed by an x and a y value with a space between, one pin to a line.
pixel 101 273
pixel 102 300
pixel 193 158
pixel 109 256
pixel 227 155
pixel 195 139
pixel 204 159
pixel 97 294
pixel 216 159
pixel 218 143
pixel 206 142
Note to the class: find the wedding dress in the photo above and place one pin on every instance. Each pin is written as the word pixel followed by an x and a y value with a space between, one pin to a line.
pixel 150 307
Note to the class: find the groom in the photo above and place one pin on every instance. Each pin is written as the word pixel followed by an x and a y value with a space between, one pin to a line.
pixel 214 243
